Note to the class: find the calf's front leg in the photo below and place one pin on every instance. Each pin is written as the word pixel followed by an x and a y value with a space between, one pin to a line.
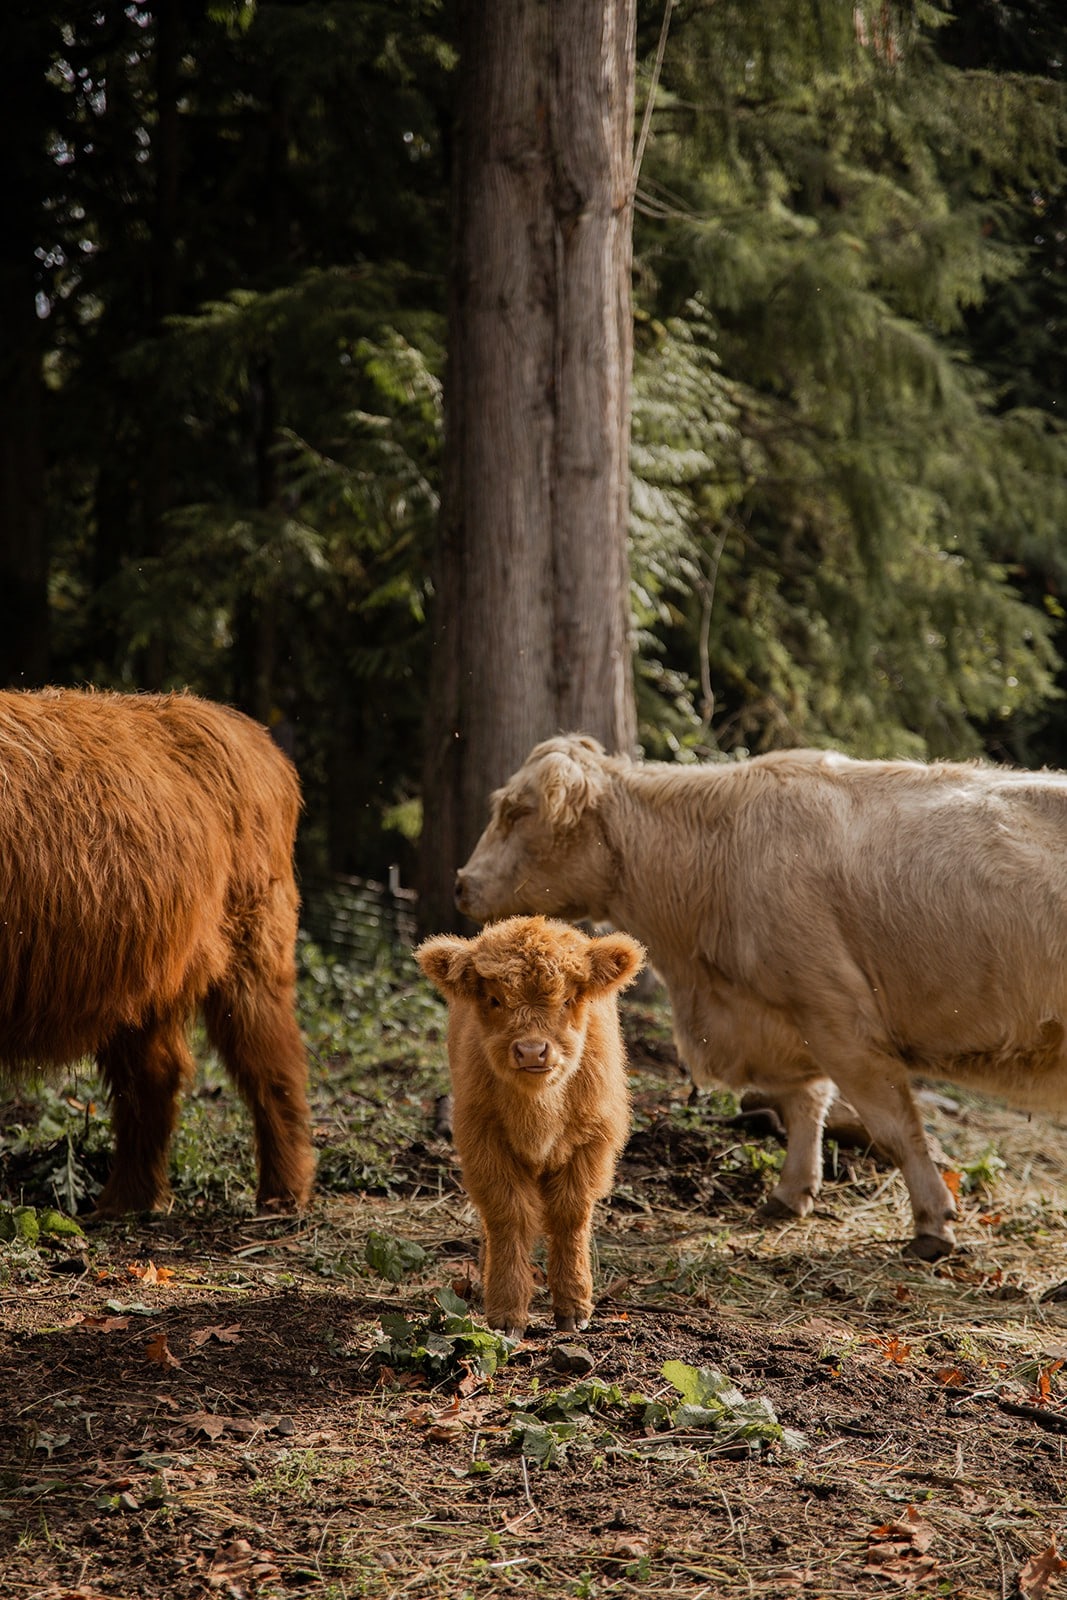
pixel 509 1224
pixel 568 1197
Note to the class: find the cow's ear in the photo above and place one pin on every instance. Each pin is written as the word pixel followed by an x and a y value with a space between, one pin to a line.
pixel 567 788
pixel 614 962
pixel 446 961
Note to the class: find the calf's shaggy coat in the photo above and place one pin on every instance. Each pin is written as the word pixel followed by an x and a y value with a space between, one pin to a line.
pixel 818 921
pixel 541 1101
pixel 146 871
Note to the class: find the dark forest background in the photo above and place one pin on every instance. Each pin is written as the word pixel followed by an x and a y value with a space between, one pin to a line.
pixel 223 318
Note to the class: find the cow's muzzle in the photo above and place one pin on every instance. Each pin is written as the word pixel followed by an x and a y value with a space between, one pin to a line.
pixel 532 1055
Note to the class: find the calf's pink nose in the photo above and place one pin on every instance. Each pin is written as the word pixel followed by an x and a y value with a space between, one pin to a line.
pixel 530 1053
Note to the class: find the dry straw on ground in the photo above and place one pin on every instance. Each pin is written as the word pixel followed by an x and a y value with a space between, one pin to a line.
pixel 220 1424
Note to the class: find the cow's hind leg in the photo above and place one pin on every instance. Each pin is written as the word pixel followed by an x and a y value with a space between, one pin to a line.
pixel 803 1110
pixel 144 1071
pixel 878 1085
pixel 253 1027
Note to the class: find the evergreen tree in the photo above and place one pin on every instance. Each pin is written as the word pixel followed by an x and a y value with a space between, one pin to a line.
pixel 822 184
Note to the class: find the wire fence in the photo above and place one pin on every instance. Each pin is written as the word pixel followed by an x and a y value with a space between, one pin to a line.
pixel 356 919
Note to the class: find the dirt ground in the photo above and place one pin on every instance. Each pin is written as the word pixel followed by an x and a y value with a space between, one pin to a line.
pixel 208 1402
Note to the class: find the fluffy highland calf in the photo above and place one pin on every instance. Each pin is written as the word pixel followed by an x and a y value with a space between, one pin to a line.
pixel 818 922
pixel 145 872
pixel 541 1099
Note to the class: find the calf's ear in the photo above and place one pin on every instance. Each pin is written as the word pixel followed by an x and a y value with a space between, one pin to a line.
pixel 614 961
pixel 446 961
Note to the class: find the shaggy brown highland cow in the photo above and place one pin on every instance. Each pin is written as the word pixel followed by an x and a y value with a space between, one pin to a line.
pixel 145 872
pixel 542 1103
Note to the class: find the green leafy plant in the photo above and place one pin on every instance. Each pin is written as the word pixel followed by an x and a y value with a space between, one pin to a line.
pixel 710 1401
pixel 983 1173
pixel 596 1415
pixel 394 1259
pixel 445 1346
pixel 31 1226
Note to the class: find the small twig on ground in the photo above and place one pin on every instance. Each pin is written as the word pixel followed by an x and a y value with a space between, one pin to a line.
pixel 1054 1421
pixel 526 1484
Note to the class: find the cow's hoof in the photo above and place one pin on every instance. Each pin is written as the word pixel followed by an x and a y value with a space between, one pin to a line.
pixel 113 1207
pixel 570 1324
pixel 929 1247
pixel 775 1210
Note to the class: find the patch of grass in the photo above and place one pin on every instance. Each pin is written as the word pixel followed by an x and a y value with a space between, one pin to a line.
pixel 363 1015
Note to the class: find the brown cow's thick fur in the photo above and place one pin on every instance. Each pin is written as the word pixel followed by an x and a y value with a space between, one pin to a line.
pixel 145 872
pixel 541 1100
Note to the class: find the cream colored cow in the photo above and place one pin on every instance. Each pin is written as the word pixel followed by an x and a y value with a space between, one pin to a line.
pixel 818 921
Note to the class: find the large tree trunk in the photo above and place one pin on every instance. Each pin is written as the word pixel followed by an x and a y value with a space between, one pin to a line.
pixel 532 619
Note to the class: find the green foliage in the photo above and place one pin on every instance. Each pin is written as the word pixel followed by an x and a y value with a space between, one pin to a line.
pixel 711 1401
pixel 849 466
pixel 30 1225
pixel 596 1415
pixel 363 1012
pixel 394 1259
pixel 982 1174
pixel 831 190
pixel 445 1347
pixel 591 1411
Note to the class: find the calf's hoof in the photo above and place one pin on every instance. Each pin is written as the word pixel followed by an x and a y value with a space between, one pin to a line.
pixel 570 1324
pixel 509 1327
pixel 929 1247
pixel 279 1205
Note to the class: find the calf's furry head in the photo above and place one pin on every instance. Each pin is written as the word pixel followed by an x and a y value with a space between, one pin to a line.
pixel 531 961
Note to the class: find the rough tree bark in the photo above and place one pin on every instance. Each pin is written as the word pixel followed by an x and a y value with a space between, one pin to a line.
pixel 532 620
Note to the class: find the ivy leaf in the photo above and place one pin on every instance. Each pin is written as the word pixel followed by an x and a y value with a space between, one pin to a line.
pixel 394 1259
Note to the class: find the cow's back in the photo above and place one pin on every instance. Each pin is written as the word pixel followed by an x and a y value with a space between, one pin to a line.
pixel 925 906
pixel 142 838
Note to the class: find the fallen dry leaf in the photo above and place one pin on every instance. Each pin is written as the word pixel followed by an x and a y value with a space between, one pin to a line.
pixel 1043 1393
pixel 208 1423
pixel 893 1349
pixel 159 1350
pixel 230 1335
pixel 898 1550
pixel 632 1548
pixel 952 1181
pixel 235 1565
pixel 102 1324
pixel 148 1272
pixel 1036 1576
pixel 447 1421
